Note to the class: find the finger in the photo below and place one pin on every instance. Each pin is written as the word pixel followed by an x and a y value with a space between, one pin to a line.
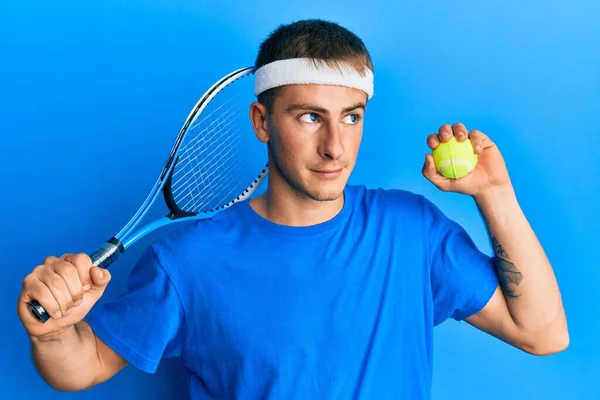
pixel 58 287
pixel 49 260
pixel 33 288
pixel 70 275
pixel 460 132
pixel 480 141
pixel 431 174
pixel 445 133
pixel 433 141
pixel 83 264
pixel 100 278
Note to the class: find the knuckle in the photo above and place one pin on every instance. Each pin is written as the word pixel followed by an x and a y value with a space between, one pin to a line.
pixel 30 281
pixel 66 270
pixel 38 270
pixel 76 290
pixel 61 266
pixel 77 296
pixel 55 283
pixel 81 259
pixel 49 260
pixel 44 272
pixel 64 300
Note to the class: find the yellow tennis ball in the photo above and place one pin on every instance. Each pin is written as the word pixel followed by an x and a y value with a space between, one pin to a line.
pixel 454 159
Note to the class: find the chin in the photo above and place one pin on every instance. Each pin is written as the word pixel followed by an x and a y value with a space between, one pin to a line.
pixel 325 196
pixel 328 192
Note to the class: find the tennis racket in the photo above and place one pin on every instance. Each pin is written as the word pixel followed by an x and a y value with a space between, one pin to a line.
pixel 215 162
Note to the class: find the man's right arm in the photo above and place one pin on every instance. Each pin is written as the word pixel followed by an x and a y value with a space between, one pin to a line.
pixel 74 359
pixel 66 352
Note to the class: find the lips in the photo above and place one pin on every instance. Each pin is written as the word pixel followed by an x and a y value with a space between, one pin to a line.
pixel 328 173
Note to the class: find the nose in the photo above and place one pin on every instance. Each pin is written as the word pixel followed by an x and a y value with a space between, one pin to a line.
pixel 331 146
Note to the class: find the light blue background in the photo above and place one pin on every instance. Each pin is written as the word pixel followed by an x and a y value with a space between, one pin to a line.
pixel 92 93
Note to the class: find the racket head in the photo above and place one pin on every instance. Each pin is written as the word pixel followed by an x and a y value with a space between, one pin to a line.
pixel 218 160
pixel 215 162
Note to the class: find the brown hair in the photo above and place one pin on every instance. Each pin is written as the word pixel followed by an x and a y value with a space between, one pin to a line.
pixel 316 39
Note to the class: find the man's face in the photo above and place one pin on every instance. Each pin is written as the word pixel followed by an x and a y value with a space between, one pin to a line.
pixel 314 136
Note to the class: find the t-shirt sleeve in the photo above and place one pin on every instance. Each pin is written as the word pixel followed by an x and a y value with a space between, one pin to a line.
pixel 146 323
pixel 463 279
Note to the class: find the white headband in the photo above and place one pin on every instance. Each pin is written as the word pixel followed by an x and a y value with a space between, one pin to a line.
pixel 300 71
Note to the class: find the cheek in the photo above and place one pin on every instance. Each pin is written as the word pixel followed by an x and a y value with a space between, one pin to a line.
pixel 352 140
pixel 290 145
pixel 285 153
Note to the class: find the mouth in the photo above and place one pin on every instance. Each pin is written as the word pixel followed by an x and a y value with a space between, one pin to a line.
pixel 328 173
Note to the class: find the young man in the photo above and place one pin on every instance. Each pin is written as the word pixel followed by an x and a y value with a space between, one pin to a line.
pixel 316 289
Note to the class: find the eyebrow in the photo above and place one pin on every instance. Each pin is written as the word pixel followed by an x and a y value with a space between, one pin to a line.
pixel 311 107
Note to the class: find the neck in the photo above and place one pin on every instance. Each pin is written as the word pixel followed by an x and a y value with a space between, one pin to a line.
pixel 286 207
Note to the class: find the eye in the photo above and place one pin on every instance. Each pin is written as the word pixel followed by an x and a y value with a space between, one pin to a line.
pixel 351 119
pixel 310 118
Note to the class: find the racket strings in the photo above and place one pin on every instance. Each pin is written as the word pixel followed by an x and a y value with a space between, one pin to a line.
pixel 204 135
pixel 226 165
pixel 222 185
pixel 202 201
pixel 204 118
pixel 196 167
pixel 220 156
pixel 197 146
pixel 230 166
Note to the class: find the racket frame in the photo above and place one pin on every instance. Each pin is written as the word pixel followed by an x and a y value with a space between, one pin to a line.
pixel 111 250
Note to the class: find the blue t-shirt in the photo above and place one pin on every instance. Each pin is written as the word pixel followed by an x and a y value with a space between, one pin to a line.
pixel 339 310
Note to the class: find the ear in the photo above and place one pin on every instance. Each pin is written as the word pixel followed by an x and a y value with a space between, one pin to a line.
pixel 258 117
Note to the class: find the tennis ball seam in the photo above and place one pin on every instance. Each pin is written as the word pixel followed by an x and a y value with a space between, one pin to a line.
pixel 455 159
pixel 452 162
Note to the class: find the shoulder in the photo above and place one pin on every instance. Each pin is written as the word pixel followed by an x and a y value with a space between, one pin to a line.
pixel 411 209
pixel 388 200
pixel 184 242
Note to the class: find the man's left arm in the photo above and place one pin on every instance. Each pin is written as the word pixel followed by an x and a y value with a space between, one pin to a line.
pixel 526 309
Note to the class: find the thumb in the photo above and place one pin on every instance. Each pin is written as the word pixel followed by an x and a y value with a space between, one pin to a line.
pixel 100 278
pixel 429 166
pixel 430 172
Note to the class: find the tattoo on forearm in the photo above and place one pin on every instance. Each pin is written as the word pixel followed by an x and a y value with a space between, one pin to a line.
pixel 508 274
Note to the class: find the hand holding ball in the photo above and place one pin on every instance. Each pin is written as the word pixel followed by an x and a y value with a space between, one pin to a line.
pixel 454 159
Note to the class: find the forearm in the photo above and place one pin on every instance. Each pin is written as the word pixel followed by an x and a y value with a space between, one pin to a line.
pixel 68 361
pixel 524 271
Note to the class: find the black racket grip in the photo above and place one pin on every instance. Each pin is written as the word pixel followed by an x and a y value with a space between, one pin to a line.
pixel 104 256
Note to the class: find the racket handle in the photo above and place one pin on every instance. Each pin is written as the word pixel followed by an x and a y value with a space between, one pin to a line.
pixel 108 253
pixel 104 256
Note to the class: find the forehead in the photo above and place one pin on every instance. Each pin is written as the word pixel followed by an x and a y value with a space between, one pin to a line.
pixel 330 97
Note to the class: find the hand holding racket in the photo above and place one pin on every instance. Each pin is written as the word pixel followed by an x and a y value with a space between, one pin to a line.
pixel 215 162
pixel 68 287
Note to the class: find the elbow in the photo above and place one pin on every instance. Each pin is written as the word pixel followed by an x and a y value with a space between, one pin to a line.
pixel 68 387
pixel 550 347
pixel 551 341
pixel 61 384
